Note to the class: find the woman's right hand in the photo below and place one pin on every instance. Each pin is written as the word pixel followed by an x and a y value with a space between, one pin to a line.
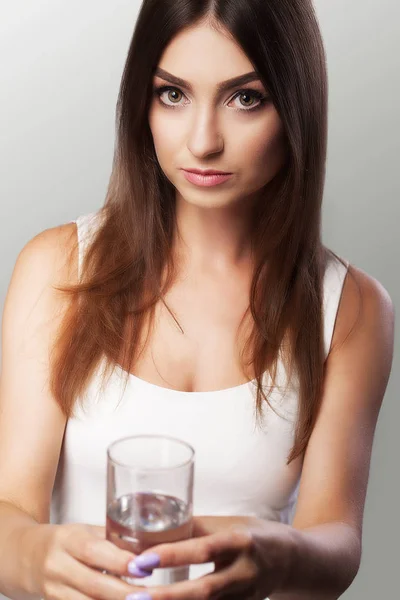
pixel 66 562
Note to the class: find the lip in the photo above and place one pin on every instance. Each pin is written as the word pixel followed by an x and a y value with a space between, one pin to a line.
pixel 207 172
pixel 206 180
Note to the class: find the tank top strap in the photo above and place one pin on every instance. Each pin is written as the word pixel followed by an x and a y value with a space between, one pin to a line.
pixel 86 228
pixel 334 277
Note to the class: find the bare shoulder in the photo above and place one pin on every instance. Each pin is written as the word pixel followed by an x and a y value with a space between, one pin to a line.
pixel 48 260
pixel 52 254
pixel 365 308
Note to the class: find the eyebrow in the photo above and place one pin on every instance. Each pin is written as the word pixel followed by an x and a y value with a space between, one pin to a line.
pixel 222 87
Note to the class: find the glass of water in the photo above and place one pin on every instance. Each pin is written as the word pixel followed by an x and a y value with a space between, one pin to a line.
pixel 150 497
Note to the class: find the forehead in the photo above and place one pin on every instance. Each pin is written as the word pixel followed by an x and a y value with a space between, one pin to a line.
pixel 204 54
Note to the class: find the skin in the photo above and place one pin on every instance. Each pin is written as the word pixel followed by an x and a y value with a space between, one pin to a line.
pixel 199 129
pixel 320 553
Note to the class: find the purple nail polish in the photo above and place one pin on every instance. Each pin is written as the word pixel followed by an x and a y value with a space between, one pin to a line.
pixel 139 596
pixel 134 570
pixel 147 561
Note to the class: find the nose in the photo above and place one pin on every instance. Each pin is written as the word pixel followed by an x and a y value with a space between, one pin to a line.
pixel 204 135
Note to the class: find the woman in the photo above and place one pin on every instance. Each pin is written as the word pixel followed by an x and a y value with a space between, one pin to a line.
pixel 208 297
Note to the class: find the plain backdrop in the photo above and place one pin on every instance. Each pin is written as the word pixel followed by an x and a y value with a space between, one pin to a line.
pixel 61 64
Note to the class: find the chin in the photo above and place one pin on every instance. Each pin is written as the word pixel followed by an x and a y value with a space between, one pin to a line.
pixel 205 199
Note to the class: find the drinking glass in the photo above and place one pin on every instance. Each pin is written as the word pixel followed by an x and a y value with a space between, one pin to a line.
pixel 150 497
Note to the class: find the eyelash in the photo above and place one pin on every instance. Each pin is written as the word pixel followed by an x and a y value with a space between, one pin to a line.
pixel 254 93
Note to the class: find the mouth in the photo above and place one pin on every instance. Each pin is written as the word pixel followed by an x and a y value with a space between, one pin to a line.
pixel 207 172
pixel 207 178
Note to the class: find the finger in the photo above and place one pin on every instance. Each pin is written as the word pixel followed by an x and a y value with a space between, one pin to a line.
pixel 237 580
pixel 206 525
pixel 205 549
pixel 98 530
pixel 67 593
pixel 95 584
pixel 100 554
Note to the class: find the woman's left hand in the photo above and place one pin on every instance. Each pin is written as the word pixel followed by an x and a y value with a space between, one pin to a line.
pixel 251 557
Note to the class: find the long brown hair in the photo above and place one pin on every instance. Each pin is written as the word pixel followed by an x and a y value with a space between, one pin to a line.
pixel 123 274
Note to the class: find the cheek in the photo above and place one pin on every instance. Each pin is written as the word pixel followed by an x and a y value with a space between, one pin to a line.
pixel 266 152
pixel 164 132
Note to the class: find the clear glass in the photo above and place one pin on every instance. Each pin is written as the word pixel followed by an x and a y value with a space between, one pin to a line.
pixel 150 497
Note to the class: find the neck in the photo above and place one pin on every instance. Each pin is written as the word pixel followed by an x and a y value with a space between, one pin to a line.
pixel 213 239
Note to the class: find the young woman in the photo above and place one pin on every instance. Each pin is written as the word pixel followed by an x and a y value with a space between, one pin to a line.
pixel 212 299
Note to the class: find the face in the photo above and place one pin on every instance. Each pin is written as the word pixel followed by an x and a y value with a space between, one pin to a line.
pixel 197 125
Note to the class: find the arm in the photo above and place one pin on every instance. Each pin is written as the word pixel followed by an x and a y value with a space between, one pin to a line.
pixel 328 520
pixel 31 423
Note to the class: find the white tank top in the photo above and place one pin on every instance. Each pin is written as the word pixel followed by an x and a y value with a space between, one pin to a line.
pixel 240 468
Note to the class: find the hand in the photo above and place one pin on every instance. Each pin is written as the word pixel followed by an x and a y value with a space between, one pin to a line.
pixel 251 557
pixel 68 562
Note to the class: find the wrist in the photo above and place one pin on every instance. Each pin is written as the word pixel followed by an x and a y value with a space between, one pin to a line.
pixel 290 558
pixel 281 550
pixel 31 548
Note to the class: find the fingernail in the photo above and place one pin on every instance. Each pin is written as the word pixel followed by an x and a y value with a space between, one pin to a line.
pixel 140 596
pixel 134 570
pixel 146 561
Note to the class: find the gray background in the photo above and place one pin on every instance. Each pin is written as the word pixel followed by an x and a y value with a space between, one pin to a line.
pixel 61 64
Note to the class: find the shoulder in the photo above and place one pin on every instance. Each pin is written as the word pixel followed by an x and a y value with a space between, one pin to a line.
pixel 34 301
pixel 365 313
pixel 47 261
pixel 55 241
pixel 51 255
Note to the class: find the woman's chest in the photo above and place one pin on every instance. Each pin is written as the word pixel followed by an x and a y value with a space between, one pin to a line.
pixel 195 343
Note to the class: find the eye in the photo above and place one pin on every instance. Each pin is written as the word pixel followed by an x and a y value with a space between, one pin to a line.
pixel 174 96
pixel 252 95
